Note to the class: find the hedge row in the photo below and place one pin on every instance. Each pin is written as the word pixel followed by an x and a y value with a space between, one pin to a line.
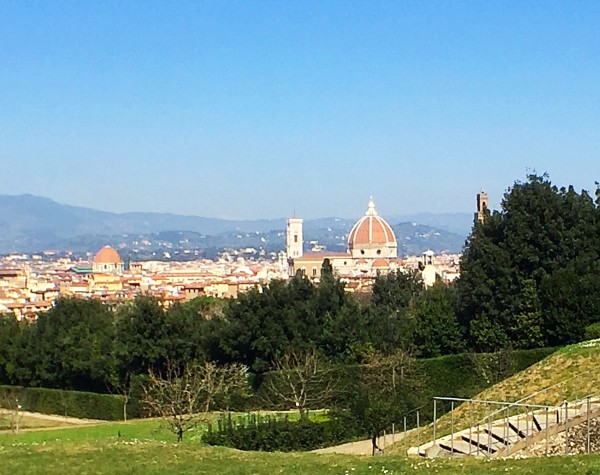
pixel 271 435
pixel 68 403
pixel 462 375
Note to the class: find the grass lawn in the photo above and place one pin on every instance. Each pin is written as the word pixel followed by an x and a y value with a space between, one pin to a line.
pixel 145 448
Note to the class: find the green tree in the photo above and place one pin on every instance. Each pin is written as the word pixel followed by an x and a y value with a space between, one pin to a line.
pixel 437 331
pixel 71 346
pixel 142 336
pixel 10 336
pixel 390 325
pixel 526 269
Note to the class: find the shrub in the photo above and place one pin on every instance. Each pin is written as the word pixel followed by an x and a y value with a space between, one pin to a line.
pixel 270 434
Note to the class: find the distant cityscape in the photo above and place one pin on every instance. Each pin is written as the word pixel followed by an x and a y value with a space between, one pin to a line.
pixel 32 282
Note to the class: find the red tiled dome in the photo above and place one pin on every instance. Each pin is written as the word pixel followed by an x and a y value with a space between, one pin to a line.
pixel 371 229
pixel 107 255
pixel 381 263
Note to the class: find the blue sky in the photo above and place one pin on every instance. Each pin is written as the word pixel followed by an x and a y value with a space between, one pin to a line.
pixel 254 109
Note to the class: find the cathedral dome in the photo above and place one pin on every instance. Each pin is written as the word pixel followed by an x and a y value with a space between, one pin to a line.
pixel 371 229
pixel 372 237
pixel 107 255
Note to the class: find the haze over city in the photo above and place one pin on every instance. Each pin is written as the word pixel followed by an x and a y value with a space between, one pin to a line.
pixel 249 110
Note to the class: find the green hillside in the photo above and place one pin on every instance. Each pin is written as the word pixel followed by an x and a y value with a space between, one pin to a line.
pixel 568 374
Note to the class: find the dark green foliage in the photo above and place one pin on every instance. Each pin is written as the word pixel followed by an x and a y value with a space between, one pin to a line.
pixel 391 326
pixel 10 340
pixel 529 273
pixel 271 434
pixel 592 332
pixel 68 347
pixel 68 403
pixel 436 328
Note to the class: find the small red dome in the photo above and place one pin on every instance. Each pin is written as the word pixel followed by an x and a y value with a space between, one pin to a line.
pixel 107 255
pixel 381 263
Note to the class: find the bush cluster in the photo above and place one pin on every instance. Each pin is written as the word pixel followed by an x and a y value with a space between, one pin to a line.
pixel 270 434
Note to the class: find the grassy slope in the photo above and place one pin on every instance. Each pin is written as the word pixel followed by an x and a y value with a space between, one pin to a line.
pixel 146 447
pixel 570 373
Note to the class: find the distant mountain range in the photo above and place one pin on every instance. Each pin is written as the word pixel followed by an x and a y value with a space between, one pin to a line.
pixel 31 224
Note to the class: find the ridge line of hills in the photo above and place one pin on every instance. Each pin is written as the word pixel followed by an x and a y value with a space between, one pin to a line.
pixel 31 224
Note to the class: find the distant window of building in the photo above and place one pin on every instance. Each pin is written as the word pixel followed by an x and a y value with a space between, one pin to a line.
pixel 314 271
pixel 295 238
pixel 378 251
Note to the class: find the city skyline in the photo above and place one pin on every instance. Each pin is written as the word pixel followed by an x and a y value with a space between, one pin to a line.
pixel 264 110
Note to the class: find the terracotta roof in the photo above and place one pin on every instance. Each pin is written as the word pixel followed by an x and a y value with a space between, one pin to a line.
pixel 322 256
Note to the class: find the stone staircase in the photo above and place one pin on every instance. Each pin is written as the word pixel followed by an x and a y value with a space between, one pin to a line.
pixel 508 435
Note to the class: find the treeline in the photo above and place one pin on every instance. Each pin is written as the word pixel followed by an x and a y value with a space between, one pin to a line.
pixel 84 345
pixel 530 277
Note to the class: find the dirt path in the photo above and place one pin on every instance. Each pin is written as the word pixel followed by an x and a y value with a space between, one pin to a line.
pixel 362 447
pixel 35 421
pixel 52 417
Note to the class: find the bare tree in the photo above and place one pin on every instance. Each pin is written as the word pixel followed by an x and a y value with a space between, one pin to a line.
pixel 184 396
pixel 493 367
pixel 123 387
pixel 386 382
pixel 302 378
pixel 13 402
pixel 388 372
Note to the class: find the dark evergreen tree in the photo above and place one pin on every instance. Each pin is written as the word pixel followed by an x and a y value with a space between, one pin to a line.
pixel 436 328
pixel 70 346
pixel 528 272
pixel 390 325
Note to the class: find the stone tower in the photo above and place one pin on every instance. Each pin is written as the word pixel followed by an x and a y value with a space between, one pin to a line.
pixel 482 206
pixel 294 240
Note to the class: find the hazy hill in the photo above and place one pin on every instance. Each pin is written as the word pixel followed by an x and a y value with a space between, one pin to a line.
pixel 31 223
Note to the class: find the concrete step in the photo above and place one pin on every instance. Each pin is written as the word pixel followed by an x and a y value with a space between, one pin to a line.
pixel 503 434
pixel 457 446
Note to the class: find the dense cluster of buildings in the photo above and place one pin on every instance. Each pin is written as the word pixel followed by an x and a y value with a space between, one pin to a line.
pixel 372 250
pixel 31 283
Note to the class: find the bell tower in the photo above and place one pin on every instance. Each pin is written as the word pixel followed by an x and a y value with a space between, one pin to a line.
pixel 482 206
pixel 294 242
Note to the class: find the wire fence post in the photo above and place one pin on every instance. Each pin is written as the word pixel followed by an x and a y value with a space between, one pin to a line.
pixel 452 429
pixel 489 441
pixel 587 429
pixel 418 430
pixel 434 420
pixel 566 427
pixel 547 431
pixel 527 430
pixel 505 431
pixel 478 442
pixel 470 426
pixel 393 433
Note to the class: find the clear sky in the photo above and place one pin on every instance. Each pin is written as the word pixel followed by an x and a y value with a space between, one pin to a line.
pixel 254 109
